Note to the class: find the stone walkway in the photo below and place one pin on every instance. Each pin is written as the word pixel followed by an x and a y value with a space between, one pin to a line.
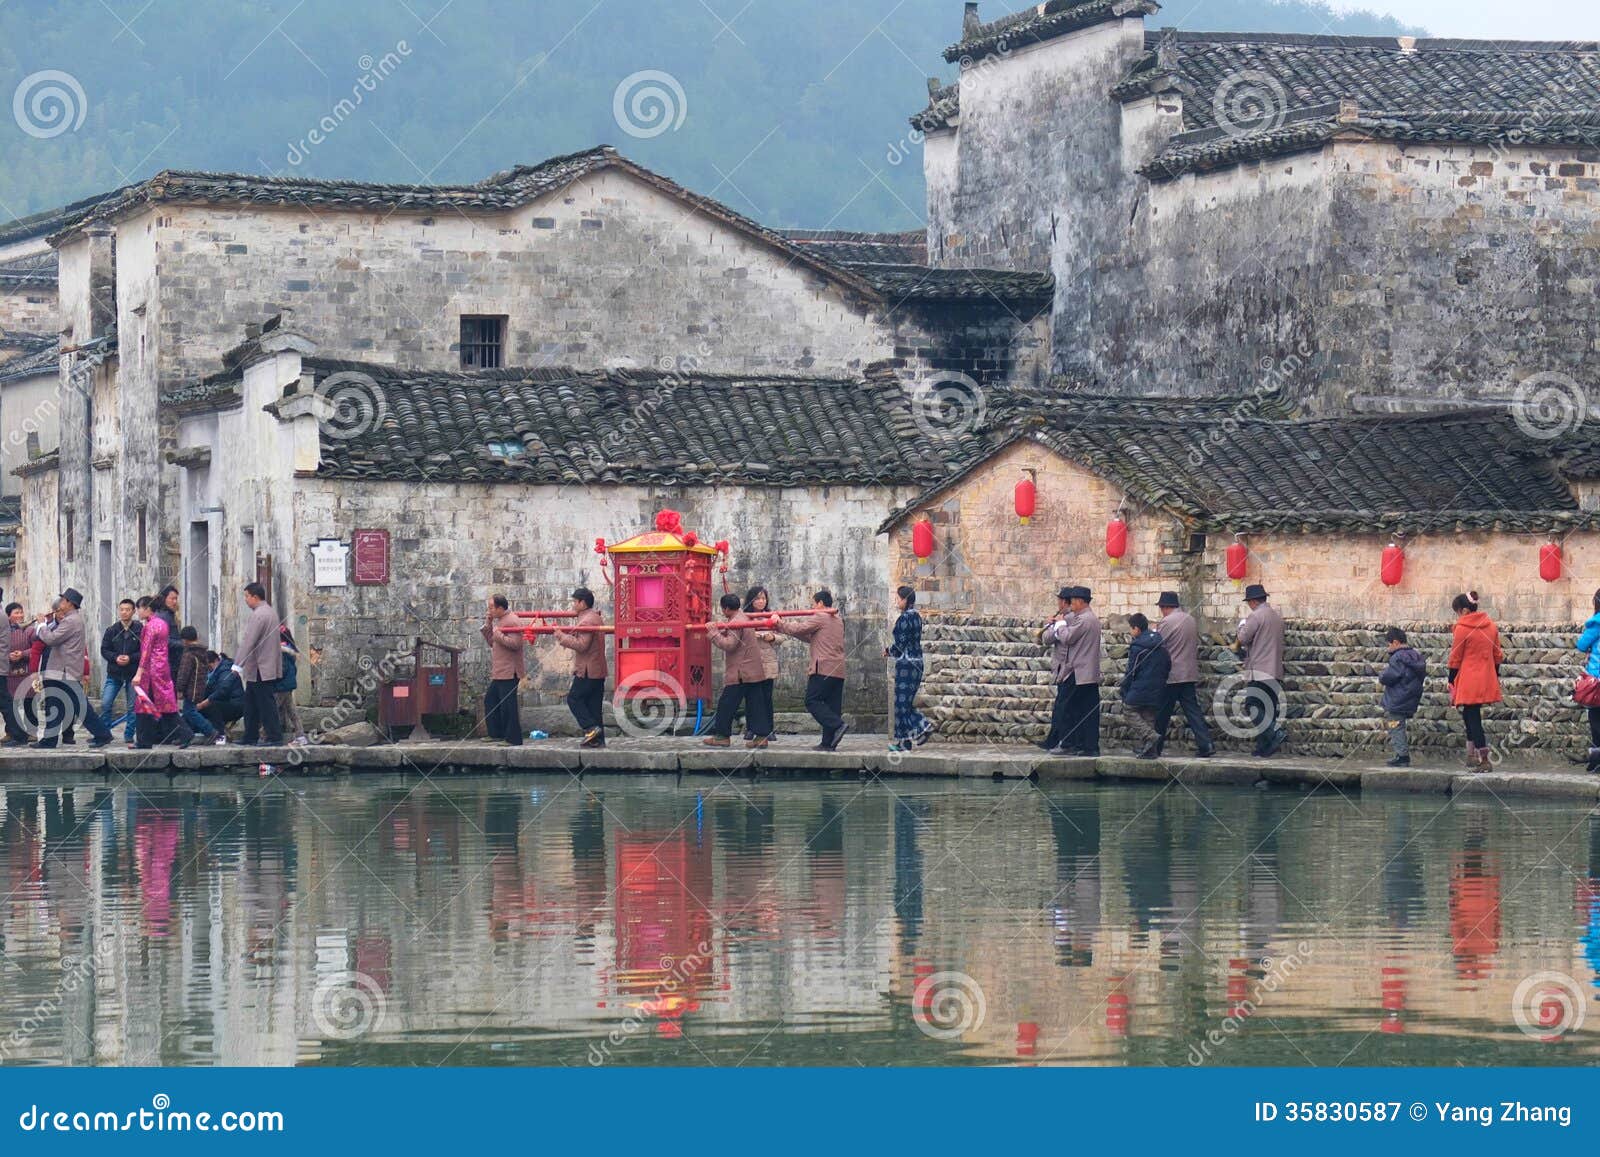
pixel 864 755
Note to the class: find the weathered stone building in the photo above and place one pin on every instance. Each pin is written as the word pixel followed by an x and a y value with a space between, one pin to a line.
pixel 1364 222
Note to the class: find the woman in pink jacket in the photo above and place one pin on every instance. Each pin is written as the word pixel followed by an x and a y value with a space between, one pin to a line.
pixel 157 698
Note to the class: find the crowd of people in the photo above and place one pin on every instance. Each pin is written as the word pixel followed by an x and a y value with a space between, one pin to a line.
pixel 1160 680
pixel 177 690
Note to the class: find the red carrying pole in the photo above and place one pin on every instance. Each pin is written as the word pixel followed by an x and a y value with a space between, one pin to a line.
pixel 735 625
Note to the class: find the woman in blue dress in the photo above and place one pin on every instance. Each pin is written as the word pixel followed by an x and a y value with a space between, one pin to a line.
pixel 911 727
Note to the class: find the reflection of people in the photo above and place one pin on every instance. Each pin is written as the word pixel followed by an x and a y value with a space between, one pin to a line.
pixel 1474 910
pixel 1075 911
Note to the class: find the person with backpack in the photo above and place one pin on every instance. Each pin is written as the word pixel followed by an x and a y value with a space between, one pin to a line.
pixel 1402 682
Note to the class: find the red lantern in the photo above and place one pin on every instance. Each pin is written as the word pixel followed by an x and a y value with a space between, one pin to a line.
pixel 1027 499
pixel 1116 539
pixel 1550 562
pixel 1238 562
pixel 1393 569
pixel 922 540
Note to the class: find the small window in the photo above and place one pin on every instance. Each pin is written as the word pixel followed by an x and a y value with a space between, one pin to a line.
pixel 483 342
pixel 508 449
pixel 72 532
pixel 144 542
pixel 1197 544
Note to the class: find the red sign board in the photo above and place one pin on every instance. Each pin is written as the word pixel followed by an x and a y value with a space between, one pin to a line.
pixel 371 551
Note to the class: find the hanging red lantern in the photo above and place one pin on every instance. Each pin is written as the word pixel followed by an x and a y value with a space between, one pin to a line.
pixel 1238 562
pixel 1027 500
pixel 1116 540
pixel 922 540
pixel 1550 562
pixel 1393 570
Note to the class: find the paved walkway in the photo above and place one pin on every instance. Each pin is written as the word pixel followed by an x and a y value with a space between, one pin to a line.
pixel 865 755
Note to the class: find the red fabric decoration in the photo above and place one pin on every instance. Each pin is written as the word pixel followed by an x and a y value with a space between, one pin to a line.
pixel 1238 562
pixel 691 539
pixel 723 548
pixel 1393 570
pixel 1550 562
pixel 1027 500
pixel 922 540
pixel 1116 539
pixel 669 522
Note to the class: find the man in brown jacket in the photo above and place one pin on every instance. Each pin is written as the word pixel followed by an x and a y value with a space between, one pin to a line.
pixel 587 698
pixel 259 663
pixel 507 665
pixel 824 630
pixel 1261 642
pixel 744 680
pixel 1181 636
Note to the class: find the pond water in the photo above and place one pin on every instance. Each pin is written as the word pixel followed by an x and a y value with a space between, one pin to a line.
pixel 634 921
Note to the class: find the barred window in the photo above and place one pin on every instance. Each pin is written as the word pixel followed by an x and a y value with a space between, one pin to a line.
pixel 483 341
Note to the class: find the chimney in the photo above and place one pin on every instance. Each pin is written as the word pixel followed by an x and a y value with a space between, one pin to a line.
pixel 1408 45
pixel 102 282
pixel 969 21
pixel 934 85
pixel 1349 112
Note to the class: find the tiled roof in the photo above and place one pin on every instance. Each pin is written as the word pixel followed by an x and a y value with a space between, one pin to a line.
pixel 510 189
pixel 24 273
pixel 944 106
pixel 1038 23
pixel 45 223
pixel 1254 472
pixel 41 355
pixel 896 265
pixel 1247 96
pixel 862 248
pixel 643 427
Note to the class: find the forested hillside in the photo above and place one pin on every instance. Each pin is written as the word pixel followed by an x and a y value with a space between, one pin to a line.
pixel 792 112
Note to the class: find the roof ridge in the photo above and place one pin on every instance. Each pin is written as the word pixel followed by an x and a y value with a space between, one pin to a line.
pixel 1155 37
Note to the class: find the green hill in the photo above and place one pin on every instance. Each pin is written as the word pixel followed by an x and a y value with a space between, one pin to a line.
pixel 792 113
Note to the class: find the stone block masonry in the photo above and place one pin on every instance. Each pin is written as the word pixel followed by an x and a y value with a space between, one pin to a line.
pixel 988 681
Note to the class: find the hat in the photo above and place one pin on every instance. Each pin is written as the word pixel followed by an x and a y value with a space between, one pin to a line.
pixel 1083 593
pixel 1065 593
pixel 73 596
pixel 1169 599
pixel 1255 594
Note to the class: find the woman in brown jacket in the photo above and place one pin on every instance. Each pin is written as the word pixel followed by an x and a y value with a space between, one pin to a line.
pixel 743 681
pixel 1475 658
pixel 757 603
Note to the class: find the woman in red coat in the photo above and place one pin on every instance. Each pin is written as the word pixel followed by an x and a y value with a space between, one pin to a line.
pixel 1475 658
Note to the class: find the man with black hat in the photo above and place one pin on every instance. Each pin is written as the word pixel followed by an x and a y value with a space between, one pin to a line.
pixel 1182 639
pixel 1054 636
pixel 1261 643
pixel 1083 639
pixel 63 703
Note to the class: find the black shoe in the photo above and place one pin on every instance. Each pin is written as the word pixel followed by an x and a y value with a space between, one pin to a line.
pixel 106 742
pixel 837 737
pixel 24 743
pixel 1206 754
pixel 186 743
pixel 1148 751
pixel 1399 761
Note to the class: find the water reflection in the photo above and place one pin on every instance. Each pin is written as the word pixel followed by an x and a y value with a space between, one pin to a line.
pixel 650 921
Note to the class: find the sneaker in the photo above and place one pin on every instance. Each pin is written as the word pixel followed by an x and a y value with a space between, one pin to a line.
pixel 302 741
pixel 593 738
pixel 922 737
pixel 221 741
pixel 1399 761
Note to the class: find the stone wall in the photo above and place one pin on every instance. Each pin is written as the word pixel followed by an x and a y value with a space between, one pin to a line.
pixel 988 680
pixel 455 545
pixel 37 578
pixel 30 407
pixel 28 310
